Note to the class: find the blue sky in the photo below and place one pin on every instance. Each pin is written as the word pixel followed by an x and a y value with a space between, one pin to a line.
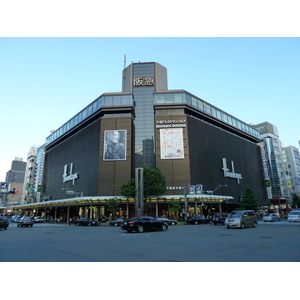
pixel 46 81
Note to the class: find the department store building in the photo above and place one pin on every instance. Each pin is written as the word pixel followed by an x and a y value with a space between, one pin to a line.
pixel 195 145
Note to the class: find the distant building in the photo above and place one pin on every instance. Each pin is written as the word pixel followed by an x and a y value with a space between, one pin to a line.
pixel 291 163
pixel 15 178
pixel 275 180
pixel 29 195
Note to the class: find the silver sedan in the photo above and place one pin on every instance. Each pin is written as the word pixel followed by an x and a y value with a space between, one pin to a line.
pixel 271 217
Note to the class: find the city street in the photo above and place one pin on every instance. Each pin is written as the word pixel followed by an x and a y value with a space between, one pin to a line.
pixel 269 242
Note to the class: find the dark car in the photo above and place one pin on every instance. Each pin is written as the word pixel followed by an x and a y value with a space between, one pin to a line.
pixel 15 219
pixel 3 223
pixel 219 218
pixel 141 224
pixel 198 220
pixel 168 221
pixel 25 221
pixel 86 222
pixel 116 222
pixel 6 220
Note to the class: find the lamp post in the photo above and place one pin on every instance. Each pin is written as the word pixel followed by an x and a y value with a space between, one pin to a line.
pixel 218 186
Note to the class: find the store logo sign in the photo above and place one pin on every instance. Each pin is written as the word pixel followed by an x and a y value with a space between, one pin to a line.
pixel 232 174
pixel 143 81
pixel 69 176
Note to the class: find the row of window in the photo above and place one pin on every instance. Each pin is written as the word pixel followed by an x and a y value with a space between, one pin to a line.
pixel 165 98
pixel 113 100
pixel 118 100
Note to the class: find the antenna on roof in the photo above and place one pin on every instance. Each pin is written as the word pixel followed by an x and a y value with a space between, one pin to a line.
pixel 124 61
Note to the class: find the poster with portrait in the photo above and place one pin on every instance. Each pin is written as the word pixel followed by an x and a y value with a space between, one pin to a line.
pixel 115 145
pixel 171 143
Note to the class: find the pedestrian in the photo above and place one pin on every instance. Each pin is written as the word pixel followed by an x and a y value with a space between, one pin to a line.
pixel 70 221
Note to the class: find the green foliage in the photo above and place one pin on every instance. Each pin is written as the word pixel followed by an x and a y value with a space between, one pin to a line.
pixel 154 184
pixel 249 199
pixel 147 208
pixel 174 207
pixel 128 189
pixel 296 201
pixel 112 205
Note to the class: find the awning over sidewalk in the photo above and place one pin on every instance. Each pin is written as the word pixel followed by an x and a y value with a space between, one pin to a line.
pixel 81 201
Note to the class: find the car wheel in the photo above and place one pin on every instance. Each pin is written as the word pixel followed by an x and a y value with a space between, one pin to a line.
pixel 227 227
pixel 116 224
pixel 163 227
pixel 77 224
pixel 89 224
pixel 5 228
pixel 196 223
pixel 173 223
pixel 215 223
pixel 140 229
pixel 129 230
pixel 254 224
pixel 242 225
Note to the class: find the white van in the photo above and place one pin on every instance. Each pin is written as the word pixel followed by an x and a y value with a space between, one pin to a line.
pixel 294 216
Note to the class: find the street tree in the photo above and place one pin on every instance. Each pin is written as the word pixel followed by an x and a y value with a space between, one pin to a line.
pixel 112 206
pixel 154 184
pixel 296 201
pixel 249 199
pixel 128 189
pixel 175 207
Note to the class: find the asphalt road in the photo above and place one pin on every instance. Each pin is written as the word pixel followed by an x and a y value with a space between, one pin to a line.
pixel 269 242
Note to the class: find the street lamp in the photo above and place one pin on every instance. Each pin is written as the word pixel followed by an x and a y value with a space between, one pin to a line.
pixel 218 186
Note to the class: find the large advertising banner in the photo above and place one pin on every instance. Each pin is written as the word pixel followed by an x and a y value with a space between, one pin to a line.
pixel 171 143
pixel 115 145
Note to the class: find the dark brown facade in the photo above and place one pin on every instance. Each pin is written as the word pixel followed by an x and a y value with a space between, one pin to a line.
pixel 189 140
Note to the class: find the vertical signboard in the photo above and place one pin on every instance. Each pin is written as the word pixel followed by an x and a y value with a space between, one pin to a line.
pixel 139 194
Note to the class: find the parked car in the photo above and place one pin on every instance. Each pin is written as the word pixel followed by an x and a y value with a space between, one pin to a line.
pixel 86 222
pixel 38 220
pixel 6 220
pixel 141 224
pixel 3 223
pixel 15 219
pixel 294 216
pixel 168 221
pixel 241 219
pixel 271 217
pixel 116 222
pixel 25 221
pixel 200 219
pixel 219 218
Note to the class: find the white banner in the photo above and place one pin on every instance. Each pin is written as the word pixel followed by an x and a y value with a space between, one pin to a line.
pixel 171 143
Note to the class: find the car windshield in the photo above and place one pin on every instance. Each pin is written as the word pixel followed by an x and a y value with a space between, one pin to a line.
pixel 294 212
pixel 267 215
pixel 235 214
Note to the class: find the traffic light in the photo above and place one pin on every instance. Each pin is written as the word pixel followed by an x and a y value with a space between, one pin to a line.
pixel 13 191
